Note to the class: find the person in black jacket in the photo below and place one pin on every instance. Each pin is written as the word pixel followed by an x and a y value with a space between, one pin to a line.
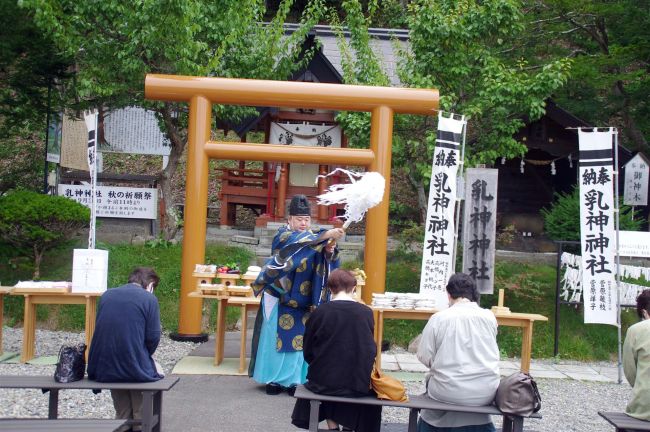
pixel 127 333
pixel 340 350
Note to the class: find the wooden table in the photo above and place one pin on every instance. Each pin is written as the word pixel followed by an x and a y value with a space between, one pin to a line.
pixel 29 318
pixel 523 320
pixel 3 291
pixel 245 305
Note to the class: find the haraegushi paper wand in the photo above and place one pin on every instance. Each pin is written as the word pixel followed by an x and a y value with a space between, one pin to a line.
pixel 364 191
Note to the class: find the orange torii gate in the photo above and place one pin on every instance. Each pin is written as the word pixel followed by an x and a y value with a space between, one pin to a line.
pixel 202 92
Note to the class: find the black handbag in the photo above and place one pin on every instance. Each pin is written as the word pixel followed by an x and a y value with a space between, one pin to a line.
pixel 518 395
pixel 72 363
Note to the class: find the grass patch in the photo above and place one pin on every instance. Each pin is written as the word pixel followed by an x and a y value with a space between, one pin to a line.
pixel 164 258
pixel 528 288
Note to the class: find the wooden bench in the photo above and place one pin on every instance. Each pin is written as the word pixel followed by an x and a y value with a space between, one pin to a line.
pixel 415 404
pixel 151 394
pixel 71 425
pixel 623 422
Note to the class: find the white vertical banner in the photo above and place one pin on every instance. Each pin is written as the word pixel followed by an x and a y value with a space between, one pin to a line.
pixel 91 124
pixel 439 235
pixel 479 226
pixel 597 232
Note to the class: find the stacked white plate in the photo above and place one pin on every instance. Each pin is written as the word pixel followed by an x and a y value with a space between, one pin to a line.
pixel 383 301
pixel 425 303
pixel 404 301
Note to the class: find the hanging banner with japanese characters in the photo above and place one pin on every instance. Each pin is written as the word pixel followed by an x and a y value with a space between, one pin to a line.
pixel 54 139
pixel 439 235
pixel 114 201
pixel 597 234
pixel 479 226
pixel 635 192
pixel 74 144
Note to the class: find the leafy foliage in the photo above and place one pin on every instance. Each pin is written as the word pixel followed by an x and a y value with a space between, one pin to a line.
pixel 608 42
pixel 116 43
pixel 35 223
pixel 30 68
pixel 460 48
pixel 562 219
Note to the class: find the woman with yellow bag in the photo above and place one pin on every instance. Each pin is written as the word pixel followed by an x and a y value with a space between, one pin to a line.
pixel 340 350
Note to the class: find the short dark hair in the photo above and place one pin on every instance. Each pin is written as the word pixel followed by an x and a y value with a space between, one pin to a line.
pixel 462 285
pixel 143 276
pixel 643 303
pixel 341 280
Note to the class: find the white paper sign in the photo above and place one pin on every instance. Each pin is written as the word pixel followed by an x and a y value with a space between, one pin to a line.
pixel 116 202
pixel 634 243
pixel 636 181
pixel 89 270
pixel 597 233
pixel 439 235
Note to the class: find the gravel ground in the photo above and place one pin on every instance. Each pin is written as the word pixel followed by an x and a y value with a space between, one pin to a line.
pixel 567 405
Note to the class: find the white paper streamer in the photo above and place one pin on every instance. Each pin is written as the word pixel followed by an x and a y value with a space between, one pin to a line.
pixel 364 191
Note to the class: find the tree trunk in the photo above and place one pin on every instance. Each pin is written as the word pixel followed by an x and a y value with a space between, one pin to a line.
pixel 38 257
pixel 169 224
pixel 418 185
pixel 631 129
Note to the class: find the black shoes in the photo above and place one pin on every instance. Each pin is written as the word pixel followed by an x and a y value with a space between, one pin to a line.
pixel 273 389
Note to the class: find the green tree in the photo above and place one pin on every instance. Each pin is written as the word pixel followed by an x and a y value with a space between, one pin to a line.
pixel 34 223
pixel 116 43
pixel 562 218
pixel 29 66
pixel 460 47
pixel 609 44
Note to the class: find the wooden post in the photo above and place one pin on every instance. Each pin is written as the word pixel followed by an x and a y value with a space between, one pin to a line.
pixel 322 186
pixel 282 192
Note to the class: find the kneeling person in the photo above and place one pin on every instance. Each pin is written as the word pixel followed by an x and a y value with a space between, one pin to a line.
pixel 127 333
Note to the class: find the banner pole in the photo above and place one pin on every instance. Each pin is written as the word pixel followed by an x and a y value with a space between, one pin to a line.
pixel 618 257
pixel 460 192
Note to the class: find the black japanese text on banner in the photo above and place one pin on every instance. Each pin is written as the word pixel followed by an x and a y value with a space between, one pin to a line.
pixel 479 226
pixel 597 231
pixel 439 241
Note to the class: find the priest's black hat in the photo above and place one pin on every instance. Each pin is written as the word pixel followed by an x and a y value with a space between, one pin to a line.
pixel 299 206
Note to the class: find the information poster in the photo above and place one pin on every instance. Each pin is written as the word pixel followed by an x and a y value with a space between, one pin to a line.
pixel 89 270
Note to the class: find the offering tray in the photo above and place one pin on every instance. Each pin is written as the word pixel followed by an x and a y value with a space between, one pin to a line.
pixel 212 289
pixel 239 291
pixel 32 287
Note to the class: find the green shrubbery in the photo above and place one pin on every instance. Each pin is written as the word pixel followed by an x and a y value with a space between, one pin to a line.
pixel 34 223
pixel 562 219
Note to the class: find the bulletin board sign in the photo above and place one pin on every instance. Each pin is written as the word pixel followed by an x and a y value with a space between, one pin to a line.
pixel 115 201
pixel 634 244
pixel 89 270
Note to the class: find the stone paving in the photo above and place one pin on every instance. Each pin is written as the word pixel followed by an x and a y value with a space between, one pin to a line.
pixel 408 362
